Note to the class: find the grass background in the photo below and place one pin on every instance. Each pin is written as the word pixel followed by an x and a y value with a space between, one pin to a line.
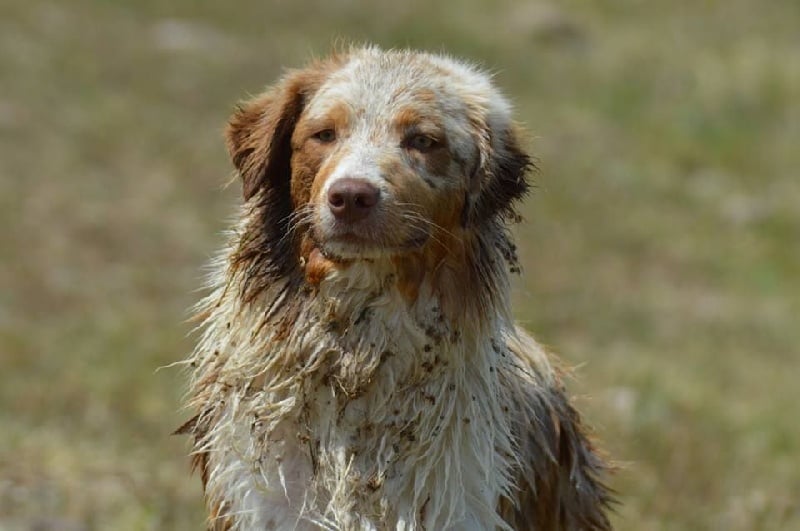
pixel 660 250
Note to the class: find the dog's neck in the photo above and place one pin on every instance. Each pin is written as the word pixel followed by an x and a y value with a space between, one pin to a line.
pixel 453 294
pixel 465 271
pixel 392 359
pixel 404 388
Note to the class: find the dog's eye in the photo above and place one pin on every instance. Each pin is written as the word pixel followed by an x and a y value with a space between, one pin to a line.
pixel 325 136
pixel 422 143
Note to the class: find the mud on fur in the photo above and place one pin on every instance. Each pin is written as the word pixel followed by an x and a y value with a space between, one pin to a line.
pixel 359 367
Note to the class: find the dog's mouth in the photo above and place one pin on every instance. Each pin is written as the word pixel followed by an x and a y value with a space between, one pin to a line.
pixel 346 245
pixel 386 230
pixel 340 252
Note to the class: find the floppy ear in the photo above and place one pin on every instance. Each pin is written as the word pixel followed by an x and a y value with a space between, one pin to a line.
pixel 499 178
pixel 259 132
pixel 258 138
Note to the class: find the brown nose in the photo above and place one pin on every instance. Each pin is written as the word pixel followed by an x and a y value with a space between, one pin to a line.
pixel 352 199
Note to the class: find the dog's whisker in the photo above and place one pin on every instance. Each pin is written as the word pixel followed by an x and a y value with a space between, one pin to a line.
pixel 414 212
pixel 413 220
pixel 431 228
pixel 297 220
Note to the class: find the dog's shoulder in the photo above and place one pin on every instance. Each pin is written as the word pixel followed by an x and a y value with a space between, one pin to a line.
pixel 559 477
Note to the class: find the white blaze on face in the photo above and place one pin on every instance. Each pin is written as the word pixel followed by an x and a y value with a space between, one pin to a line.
pixel 360 162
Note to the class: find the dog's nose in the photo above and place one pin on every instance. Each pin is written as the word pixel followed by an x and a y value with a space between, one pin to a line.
pixel 352 199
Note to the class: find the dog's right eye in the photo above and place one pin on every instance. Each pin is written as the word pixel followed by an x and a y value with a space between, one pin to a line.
pixel 421 143
pixel 326 136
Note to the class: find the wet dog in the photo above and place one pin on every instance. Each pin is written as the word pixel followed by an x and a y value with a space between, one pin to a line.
pixel 360 367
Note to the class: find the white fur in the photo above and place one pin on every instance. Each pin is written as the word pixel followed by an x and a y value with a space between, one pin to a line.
pixel 457 474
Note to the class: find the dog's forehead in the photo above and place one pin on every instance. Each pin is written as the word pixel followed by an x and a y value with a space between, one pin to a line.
pixel 375 85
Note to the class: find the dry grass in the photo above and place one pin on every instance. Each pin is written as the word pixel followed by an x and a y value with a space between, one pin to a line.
pixel 661 249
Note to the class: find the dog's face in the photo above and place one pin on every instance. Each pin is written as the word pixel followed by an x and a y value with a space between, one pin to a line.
pixel 379 165
pixel 376 154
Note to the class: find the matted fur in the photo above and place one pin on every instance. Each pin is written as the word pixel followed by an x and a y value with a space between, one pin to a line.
pixel 374 378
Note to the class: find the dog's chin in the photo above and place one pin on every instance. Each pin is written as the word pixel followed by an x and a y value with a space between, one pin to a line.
pixel 350 247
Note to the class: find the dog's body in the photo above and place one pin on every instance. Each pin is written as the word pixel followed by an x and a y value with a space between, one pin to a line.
pixel 360 368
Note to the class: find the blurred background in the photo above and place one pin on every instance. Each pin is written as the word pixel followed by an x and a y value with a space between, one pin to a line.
pixel 661 247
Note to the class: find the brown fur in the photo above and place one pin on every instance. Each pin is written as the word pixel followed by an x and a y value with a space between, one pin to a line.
pixel 258 140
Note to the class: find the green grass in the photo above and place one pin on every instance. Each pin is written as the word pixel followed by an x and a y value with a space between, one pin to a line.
pixel 661 249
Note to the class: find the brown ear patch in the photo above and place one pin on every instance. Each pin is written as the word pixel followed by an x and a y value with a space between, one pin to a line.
pixel 259 132
pixel 505 180
pixel 258 138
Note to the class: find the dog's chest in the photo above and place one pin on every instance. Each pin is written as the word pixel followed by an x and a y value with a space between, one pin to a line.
pixel 386 386
pixel 396 426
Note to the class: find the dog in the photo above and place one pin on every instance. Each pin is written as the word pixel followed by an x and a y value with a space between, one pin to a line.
pixel 359 367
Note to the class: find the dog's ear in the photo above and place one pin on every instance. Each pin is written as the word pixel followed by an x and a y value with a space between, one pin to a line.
pixel 499 177
pixel 259 132
pixel 258 138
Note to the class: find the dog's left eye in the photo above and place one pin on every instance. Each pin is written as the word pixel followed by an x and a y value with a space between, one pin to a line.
pixel 422 143
pixel 325 136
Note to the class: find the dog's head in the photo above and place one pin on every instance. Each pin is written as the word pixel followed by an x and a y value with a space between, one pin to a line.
pixel 373 154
